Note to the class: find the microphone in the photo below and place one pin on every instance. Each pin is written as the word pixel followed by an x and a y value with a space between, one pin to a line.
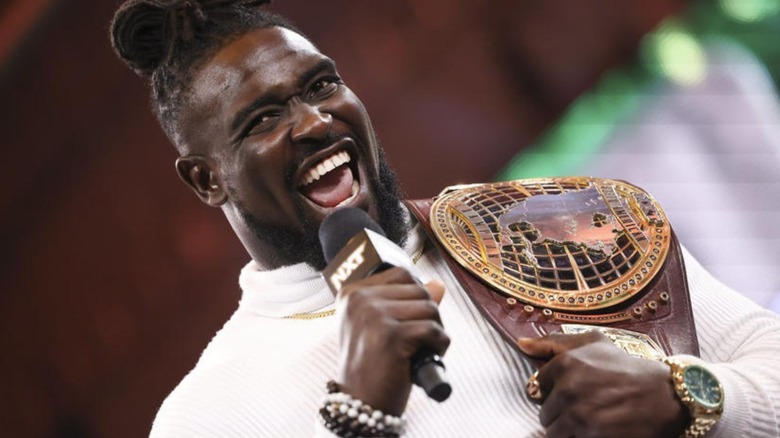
pixel 355 247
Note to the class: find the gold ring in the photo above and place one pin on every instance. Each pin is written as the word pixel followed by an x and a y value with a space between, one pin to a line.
pixel 532 388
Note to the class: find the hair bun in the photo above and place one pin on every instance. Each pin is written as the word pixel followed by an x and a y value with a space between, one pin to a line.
pixel 139 35
pixel 215 4
pixel 145 32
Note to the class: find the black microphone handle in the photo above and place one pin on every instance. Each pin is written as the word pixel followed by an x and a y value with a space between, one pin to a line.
pixel 428 372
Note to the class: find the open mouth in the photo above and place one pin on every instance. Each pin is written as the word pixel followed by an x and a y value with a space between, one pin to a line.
pixel 331 181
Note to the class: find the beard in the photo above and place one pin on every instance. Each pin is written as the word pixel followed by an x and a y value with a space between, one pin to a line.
pixel 295 246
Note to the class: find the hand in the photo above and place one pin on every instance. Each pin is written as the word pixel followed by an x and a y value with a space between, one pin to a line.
pixel 386 318
pixel 594 389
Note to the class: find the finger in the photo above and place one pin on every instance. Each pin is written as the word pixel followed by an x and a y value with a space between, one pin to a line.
pixel 557 343
pixel 551 373
pixel 390 276
pixel 435 290
pixel 552 407
pixel 394 275
pixel 540 385
pixel 561 428
pixel 359 292
pixel 424 334
pixel 412 310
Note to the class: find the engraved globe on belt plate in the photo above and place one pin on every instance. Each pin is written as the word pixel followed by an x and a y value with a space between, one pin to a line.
pixel 572 244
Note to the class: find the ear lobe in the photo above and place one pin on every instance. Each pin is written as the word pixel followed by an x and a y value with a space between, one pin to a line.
pixel 198 173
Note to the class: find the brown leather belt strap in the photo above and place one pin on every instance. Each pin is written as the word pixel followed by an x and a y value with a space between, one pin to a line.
pixel 662 310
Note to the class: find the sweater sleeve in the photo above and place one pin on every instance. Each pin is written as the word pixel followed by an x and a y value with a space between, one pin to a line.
pixel 740 344
pixel 232 400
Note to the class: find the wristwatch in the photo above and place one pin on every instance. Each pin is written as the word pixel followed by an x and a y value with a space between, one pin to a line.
pixel 701 392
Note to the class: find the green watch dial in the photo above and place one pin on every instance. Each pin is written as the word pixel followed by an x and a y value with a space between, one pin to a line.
pixel 703 386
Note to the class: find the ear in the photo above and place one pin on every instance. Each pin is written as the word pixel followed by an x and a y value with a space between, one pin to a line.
pixel 199 174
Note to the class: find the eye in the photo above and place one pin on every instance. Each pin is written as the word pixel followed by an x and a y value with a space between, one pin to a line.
pixel 324 87
pixel 263 122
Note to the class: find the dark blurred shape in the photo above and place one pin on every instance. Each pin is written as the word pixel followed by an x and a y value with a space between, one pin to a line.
pixel 72 426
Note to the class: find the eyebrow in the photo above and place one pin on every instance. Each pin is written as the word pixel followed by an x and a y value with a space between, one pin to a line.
pixel 264 100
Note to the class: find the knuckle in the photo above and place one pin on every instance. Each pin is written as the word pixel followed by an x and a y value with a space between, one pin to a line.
pixel 544 417
pixel 558 337
pixel 578 417
pixel 433 330
pixel 440 339
pixel 419 292
pixel 433 333
pixel 596 336
pixel 363 306
pixel 354 295
pixel 354 301
pixel 594 432
pixel 431 309
pixel 444 342
pixel 567 392
pixel 567 361
pixel 401 274
pixel 392 333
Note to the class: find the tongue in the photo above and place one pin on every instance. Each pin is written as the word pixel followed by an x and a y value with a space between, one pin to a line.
pixel 331 189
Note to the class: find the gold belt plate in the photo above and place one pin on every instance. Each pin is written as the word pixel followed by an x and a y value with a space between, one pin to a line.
pixel 573 243
pixel 634 343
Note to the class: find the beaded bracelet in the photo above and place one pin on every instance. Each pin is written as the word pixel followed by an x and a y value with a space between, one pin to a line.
pixel 349 417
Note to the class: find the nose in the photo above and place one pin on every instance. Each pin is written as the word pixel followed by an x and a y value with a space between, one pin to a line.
pixel 309 123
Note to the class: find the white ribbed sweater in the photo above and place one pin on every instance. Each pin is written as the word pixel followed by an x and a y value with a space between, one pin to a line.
pixel 264 376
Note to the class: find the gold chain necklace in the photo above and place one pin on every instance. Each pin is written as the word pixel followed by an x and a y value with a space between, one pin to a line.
pixel 316 315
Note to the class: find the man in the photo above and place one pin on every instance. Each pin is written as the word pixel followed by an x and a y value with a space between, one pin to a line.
pixel 270 134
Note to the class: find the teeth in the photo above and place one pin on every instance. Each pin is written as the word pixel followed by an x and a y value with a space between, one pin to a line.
pixel 326 165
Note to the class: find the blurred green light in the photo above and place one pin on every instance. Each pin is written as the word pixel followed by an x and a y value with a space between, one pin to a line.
pixel 675 53
pixel 581 132
pixel 750 11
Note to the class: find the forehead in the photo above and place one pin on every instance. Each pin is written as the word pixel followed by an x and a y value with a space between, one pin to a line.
pixel 263 59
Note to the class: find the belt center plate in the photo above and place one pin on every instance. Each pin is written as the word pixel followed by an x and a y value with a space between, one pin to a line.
pixel 573 243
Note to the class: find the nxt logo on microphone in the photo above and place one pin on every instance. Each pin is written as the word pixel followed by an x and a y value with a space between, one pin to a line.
pixel 348 267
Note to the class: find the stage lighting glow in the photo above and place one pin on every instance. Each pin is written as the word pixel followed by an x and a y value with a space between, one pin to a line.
pixel 750 11
pixel 674 52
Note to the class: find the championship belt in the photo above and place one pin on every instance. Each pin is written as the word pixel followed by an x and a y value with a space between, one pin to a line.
pixel 567 254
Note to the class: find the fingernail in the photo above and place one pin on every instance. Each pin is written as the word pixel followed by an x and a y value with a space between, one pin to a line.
pixel 524 342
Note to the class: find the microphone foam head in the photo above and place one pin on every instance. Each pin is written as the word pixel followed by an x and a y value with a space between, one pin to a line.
pixel 340 226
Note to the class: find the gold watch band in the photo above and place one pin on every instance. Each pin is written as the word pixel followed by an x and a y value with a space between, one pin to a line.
pixel 699 427
pixel 702 418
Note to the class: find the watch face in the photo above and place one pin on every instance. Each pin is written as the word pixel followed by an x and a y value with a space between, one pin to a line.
pixel 703 386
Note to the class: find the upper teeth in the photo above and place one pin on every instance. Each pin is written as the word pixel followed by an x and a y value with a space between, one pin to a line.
pixel 323 167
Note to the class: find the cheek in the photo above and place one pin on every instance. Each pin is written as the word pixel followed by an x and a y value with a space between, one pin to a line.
pixel 354 109
pixel 261 171
pixel 350 110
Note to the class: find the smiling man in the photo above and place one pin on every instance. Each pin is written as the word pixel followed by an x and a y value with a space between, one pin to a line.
pixel 277 140
pixel 269 133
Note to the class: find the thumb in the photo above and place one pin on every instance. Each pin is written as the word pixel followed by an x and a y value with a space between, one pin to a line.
pixel 436 290
pixel 557 343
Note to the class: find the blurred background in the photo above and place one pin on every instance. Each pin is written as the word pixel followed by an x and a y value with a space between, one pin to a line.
pixel 114 276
